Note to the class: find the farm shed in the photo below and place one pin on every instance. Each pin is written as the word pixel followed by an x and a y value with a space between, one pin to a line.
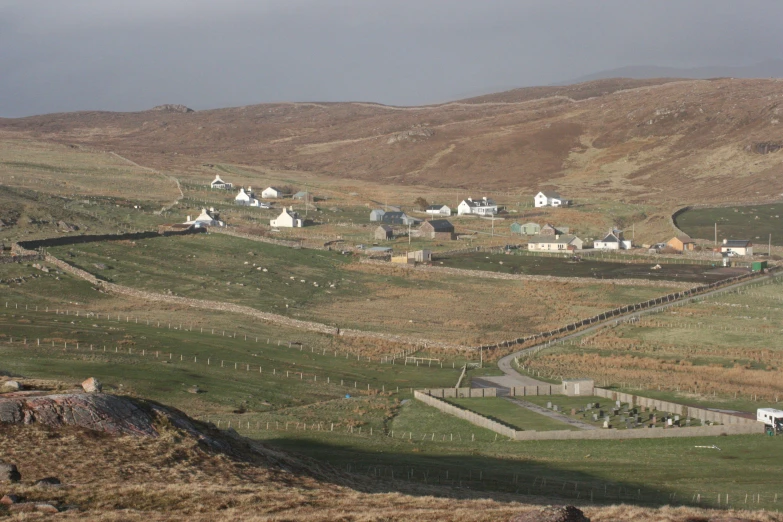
pixel 438 210
pixel 681 243
pixel 384 233
pixel 550 230
pixel 272 193
pixel 575 387
pixel 437 229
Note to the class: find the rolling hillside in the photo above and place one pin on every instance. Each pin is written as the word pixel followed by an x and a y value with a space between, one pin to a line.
pixel 673 141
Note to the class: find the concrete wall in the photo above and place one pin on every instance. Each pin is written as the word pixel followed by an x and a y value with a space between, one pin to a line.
pixel 461 392
pixel 672 407
pixel 548 389
pixel 473 418
pixel 642 433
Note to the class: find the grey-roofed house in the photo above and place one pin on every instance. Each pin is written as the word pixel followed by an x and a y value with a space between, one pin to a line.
pixel 376 214
pixel 737 247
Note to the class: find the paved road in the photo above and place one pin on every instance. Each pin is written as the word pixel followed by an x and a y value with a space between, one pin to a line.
pixel 506 363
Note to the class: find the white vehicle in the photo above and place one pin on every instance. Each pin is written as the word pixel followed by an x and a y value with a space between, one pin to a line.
pixel 771 418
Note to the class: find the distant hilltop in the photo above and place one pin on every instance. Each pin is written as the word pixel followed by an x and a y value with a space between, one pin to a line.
pixel 171 107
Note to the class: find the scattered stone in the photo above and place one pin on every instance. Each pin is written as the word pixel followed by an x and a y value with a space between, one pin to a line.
pixel 48 481
pixel 32 507
pixel 7 500
pixel 92 385
pixel 9 473
pixel 552 514
pixel 100 266
pixel 194 389
pixel 9 386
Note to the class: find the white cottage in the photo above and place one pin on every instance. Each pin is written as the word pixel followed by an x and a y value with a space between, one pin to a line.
pixel 287 219
pixel 207 218
pixel 737 247
pixel 612 241
pixel 218 183
pixel 479 207
pixel 550 199
pixel 271 193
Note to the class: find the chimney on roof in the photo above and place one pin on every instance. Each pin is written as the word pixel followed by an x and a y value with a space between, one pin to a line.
pixel 724 241
pixel 189 219
pixel 470 199
pixel 557 236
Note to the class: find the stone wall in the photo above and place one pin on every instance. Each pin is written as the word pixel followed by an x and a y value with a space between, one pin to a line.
pixel 244 310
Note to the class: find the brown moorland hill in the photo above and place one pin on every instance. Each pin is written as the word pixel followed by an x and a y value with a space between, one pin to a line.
pixel 669 141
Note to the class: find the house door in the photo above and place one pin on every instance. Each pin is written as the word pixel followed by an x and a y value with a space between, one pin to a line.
pixel 576 388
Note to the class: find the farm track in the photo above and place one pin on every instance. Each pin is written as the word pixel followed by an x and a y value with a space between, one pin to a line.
pixel 505 363
pixel 167 176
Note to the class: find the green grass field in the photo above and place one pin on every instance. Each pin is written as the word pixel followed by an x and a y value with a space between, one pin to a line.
pixel 755 222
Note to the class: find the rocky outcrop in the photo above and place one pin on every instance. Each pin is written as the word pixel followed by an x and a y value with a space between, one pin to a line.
pixel 171 107
pixel 416 133
pixel 112 414
pixel 9 473
pixel 92 385
pixel 553 514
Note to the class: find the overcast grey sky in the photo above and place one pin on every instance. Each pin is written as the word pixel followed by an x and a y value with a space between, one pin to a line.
pixel 58 55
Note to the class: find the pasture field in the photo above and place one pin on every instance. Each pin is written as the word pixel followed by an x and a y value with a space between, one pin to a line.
pixel 564 266
pixel 334 289
pixel 754 222
pixel 375 433
pixel 721 350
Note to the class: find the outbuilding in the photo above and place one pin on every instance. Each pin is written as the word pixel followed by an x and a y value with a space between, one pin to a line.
pixel 437 229
pixel 384 233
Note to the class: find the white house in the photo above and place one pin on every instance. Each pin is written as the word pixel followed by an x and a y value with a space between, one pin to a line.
pixel 438 210
pixel 550 199
pixel 207 218
pixel 737 247
pixel 377 214
pixel 613 241
pixel 558 243
pixel 480 207
pixel 287 219
pixel 271 193
pixel 218 183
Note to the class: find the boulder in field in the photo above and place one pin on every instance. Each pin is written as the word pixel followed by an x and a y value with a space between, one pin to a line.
pixel 9 473
pixel 92 385
pixel 552 514
pixel 7 500
pixel 48 481
pixel 9 386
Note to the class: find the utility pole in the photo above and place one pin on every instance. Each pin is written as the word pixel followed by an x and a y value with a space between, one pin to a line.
pixel 409 233
pixel 769 246
pixel 716 233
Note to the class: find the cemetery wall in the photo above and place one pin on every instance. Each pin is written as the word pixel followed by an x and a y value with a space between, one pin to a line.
pixel 433 397
pixel 548 389
pixel 461 392
pixel 672 407
pixel 473 418
pixel 642 433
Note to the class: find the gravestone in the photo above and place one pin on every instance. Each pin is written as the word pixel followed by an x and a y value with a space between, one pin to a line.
pixel 677 418
pixel 573 411
pixel 618 403
pixel 687 422
pixel 606 424
pixel 555 407
pixel 595 417
pixel 549 405
pixel 669 421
